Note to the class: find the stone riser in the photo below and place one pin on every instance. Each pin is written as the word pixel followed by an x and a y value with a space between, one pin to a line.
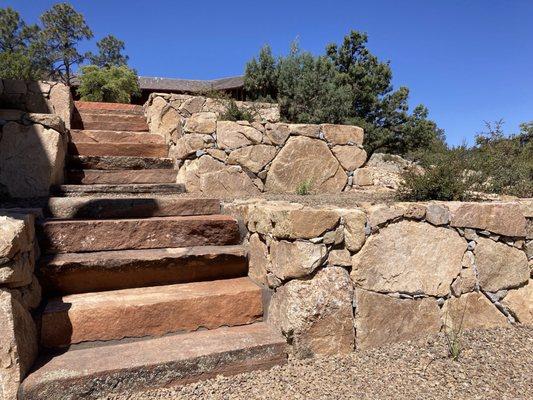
pixel 124 149
pixel 149 233
pixel 116 207
pixel 150 311
pixel 174 360
pixel 118 162
pixel 89 136
pixel 115 108
pixel 110 122
pixel 124 190
pixel 113 270
pixel 104 177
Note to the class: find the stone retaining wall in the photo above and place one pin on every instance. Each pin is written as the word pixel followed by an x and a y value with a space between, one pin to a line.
pixel 345 279
pixel 232 158
pixel 20 293
pixel 44 97
pixel 32 153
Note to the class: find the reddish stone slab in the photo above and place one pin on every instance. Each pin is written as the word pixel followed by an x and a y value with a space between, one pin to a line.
pixel 119 162
pixel 122 149
pixel 112 270
pixel 104 177
pixel 95 106
pixel 152 189
pixel 148 233
pixel 111 122
pixel 128 207
pixel 173 360
pixel 150 311
pixel 93 136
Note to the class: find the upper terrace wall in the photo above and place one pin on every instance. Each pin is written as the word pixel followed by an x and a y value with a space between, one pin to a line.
pixel 231 158
pixel 353 278
pixel 34 121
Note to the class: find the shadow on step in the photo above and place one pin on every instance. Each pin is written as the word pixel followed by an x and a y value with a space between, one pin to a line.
pixel 109 208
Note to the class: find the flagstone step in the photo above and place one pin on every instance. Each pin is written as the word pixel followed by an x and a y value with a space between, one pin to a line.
pixel 94 136
pixel 149 311
pixel 122 149
pixel 95 106
pixel 95 120
pixel 119 162
pixel 72 236
pixel 128 207
pixel 112 270
pixel 97 372
pixel 119 190
pixel 125 176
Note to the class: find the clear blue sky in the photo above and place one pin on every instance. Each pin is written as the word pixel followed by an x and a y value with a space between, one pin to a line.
pixel 467 60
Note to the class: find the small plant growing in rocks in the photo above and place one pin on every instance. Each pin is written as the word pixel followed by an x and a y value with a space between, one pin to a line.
pixel 234 113
pixel 453 337
pixel 304 188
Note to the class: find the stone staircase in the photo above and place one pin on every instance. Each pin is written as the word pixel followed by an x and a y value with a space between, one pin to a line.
pixel 143 289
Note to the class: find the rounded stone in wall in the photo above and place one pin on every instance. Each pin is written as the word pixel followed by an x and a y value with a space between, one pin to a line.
pixel 302 160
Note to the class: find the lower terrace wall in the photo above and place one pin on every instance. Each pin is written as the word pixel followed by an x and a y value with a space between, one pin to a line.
pixel 224 158
pixel 20 294
pixel 353 278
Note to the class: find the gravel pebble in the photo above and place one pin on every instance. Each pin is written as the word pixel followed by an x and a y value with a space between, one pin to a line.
pixel 494 364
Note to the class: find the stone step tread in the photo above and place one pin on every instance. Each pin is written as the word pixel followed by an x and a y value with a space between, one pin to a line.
pixel 72 236
pixel 96 136
pixel 95 106
pixel 128 207
pixel 150 311
pixel 122 149
pixel 103 177
pixel 119 162
pixel 112 270
pixel 140 188
pixel 173 360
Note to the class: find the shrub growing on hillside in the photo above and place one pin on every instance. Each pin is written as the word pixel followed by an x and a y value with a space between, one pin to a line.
pixel 109 84
pixel 234 113
pixel 346 85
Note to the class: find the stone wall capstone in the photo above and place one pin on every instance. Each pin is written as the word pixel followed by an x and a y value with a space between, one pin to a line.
pixel 227 158
pixel 395 272
pixel 20 293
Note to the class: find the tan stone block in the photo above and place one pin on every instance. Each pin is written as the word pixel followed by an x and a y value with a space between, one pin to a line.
pixel 343 134
pixel 350 157
pixel 295 259
pixel 520 303
pixel 471 311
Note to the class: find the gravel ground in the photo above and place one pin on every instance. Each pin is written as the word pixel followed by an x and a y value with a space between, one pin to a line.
pixel 495 364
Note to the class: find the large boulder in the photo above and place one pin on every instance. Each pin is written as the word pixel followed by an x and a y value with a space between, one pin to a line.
pixel 233 135
pixel 500 266
pixel 499 218
pixel 350 157
pixel 342 134
pixel 316 314
pixel 253 158
pixel 520 303
pixel 32 159
pixel 381 320
pixel 203 123
pixel 408 257
pixel 18 344
pixel 61 102
pixel 472 311
pixel 305 160
pixel 227 182
pixel 17 254
pixel 295 259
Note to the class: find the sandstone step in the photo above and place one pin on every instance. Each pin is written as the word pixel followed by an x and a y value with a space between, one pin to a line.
pixel 119 162
pixel 112 270
pixel 95 373
pixel 122 149
pixel 95 106
pixel 127 207
pixel 125 176
pixel 109 121
pixel 119 190
pixel 93 136
pixel 150 311
pixel 73 236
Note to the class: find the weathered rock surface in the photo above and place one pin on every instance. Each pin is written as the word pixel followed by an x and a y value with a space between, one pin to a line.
pixel 340 258
pixel 354 229
pixel 350 157
pixel 258 261
pixel 500 266
pixel 381 320
pixel 502 219
pixel 276 134
pixel 295 259
pixel 342 134
pixel 254 158
pixel 232 135
pixel 119 162
pixel 31 159
pixel 189 144
pixel 125 176
pixel 472 311
pixel 230 181
pixel 520 303
pixel 18 344
pixel 407 257
pixel 437 214
pixel 316 314
pixel 204 122
pixel 304 160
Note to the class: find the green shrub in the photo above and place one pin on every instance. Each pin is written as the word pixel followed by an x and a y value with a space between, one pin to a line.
pixel 234 113
pixel 110 84
pixel 304 188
